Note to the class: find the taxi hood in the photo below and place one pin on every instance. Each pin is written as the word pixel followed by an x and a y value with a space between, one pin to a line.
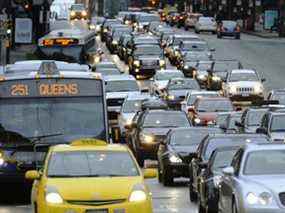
pixel 91 189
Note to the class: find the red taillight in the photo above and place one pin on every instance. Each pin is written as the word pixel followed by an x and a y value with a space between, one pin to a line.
pixel 238 28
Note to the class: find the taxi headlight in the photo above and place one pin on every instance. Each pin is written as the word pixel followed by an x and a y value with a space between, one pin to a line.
pixel 54 198
pixel 174 159
pixel 137 196
pixel 251 198
pixel 72 13
pixel 137 63
pixel 170 97
pixel 162 63
pixel 216 78
pixel 84 13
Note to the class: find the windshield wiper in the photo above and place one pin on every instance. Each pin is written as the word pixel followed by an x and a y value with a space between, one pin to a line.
pixel 35 139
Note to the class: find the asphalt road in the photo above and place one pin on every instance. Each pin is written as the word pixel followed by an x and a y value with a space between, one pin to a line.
pixel 264 55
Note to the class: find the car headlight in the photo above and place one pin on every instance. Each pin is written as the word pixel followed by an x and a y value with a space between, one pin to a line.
pixel 84 13
pixel 128 122
pixel 216 78
pixel 137 63
pixel 194 72
pixel 174 159
pixel 251 198
pixel 176 53
pixel 232 89
pixel 114 42
pixel 258 89
pixel 202 77
pixel 146 138
pixel 72 13
pixel 186 67
pixel 140 26
pixel 97 59
pixel 135 24
pixel 263 198
pixel 2 161
pixel 162 63
pixel 197 120
pixel 217 180
pixel 105 30
pixel 127 22
pixel 92 27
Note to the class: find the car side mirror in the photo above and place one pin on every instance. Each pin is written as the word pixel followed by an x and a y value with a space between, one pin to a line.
pixel 212 49
pixel 263 80
pixel 228 171
pixel 261 130
pixel 32 175
pixel 149 173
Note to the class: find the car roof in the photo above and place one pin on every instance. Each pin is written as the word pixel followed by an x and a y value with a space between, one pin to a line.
pixel 137 97
pixel 237 135
pixel 123 77
pixel 243 71
pixel 185 36
pixel 168 71
pixel 264 146
pixel 219 98
pixel 194 42
pixel 202 92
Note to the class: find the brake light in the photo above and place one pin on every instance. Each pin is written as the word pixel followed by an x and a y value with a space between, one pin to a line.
pixel 238 28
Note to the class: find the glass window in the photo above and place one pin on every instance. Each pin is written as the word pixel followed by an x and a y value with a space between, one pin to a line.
pixel 243 77
pixel 222 160
pixel 91 164
pixel 183 85
pixel 278 123
pixel 131 106
pixel 193 97
pixel 214 106
pixel 160 76
pixel 121 86
pixel 148 50
pixel 265 162
pixel 254 117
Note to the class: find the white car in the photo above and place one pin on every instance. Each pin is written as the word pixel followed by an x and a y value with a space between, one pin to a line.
pixel 243 85
pixel 193 95
pixel 191 20
pixel 161 78
pixel 206 24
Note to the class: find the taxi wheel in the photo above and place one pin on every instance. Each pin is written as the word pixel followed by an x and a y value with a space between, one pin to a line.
pixel 167 178
pixel 192 194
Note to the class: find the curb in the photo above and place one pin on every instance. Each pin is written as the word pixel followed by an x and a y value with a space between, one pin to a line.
pixel 260 35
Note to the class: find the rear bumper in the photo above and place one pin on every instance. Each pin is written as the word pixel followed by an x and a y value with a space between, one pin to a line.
pixel 229 33
pixel 179 170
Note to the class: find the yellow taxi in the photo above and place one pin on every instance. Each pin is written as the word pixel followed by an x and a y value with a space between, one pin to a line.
pixel 90 176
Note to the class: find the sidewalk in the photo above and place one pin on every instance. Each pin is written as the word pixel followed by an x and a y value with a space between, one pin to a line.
pixel 261 32
pixel 22 52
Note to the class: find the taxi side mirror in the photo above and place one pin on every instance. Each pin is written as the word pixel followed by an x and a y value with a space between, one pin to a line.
pixel 150 173
pixel 32 175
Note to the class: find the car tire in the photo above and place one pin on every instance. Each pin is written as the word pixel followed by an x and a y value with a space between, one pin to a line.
pixel 234 206
pixel 193 195
pixel 167 178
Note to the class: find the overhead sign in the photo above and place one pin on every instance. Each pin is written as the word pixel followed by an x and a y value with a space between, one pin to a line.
pixel 23 30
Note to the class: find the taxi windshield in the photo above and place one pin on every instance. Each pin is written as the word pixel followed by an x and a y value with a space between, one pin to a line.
pixel 91 164
pixel 64 118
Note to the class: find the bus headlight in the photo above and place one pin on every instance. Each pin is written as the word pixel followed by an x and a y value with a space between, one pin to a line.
pixel 137 63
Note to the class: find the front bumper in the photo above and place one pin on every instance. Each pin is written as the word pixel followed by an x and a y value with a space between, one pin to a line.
pixel 125 207
pixel 229 33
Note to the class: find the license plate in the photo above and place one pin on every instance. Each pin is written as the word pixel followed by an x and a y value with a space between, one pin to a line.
pixel 97 211
pixel 245 95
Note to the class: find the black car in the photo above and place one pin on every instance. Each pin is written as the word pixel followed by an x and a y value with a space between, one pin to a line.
pixel 105 27
pixel 113 41
pixel 208 145
pixel 174 153
pixel 150 129
pixel 177 89
pixel 210 178
pixel 189 62
pixel 122 47
pixel 145 59
pixel 218 73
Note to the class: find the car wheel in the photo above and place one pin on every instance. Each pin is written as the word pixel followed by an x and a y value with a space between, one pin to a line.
pixel 234 207
pixel 192 194
pixel 167 178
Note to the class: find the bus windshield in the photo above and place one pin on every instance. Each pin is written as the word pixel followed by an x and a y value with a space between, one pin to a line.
pixel 67 118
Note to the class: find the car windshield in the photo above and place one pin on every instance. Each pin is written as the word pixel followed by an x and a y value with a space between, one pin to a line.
pixel 229 24
pixel 190 57
pixel 254 117
pixel 280 97
pixel 148 18
pixel 221 119
pixel 121 86
pixel 160 76
pixel 68 118
pixel 195 47
pixel 222 160
pixel 91 164
pixel 77 7
pixel 120 32
pixel 250 76
pixel 190 136
pixel 265 162
pixel 193 97
pixel 278 123
pixel 132 106
pixel 148 50
pixel 215 106
pixel 206 20
pixel 183 85
pixel 166 119
pixel 215 143
pixel 225 66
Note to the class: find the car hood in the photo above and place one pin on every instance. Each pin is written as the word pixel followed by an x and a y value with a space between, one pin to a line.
pixel 178 93
pixel 185 150
pixel 144 23
pixel 274 183
pixel 207 116
pixel 120 94
pixel 86 189
pixel 148 58
pixel 157 131
pixel 244 83
pixel 277 136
